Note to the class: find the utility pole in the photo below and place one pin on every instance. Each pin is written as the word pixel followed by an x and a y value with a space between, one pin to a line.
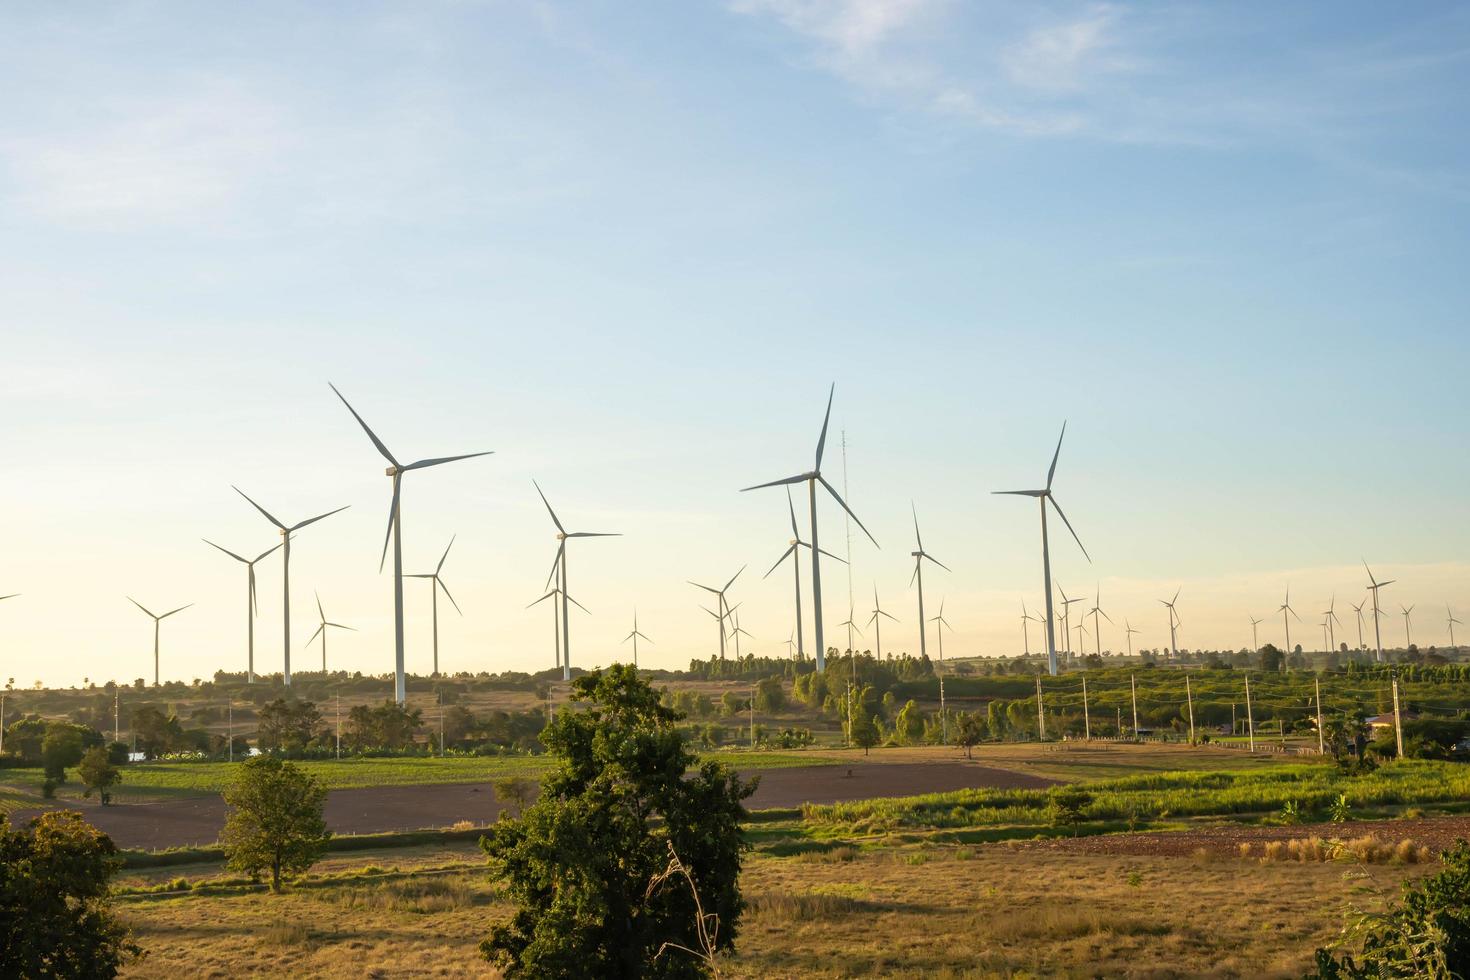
pixel 1119 721
pixel 1133 686
pixel 2 723
pixel 230 729
pixel 1086 716
pixel 116 731
pixel 1189 696
pixel 339 724
pixel 1398 721
pixel 752 719
pixel 943 714
pixel 1321 743
pixel 441 723
pixel 1250 718
pixel 1234 726
pixel 1040 712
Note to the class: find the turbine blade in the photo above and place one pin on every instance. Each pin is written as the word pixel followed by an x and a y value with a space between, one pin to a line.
pixel 779 483
pixel 314 636
pixel 321 612
pixel 266 552
pixel 554 519
pixel 1018 493
pixel 421 464
pixel 542 599
pixel 226 550
pixel 937 562
pixel 595 534
pixel 795 534
pixel 827 553
pixel 838 497
pixel 370 434
pixel 888 615
pixel 392 515
pixel 440 583
pixel 1053 470
pixel 919 538
pixel 259 508
pixel 1069 528
pixel 442 558
pixel 313 520
pixel 704 587
pixel 172 611
pixel 136 603
pixel 560 550
pixel 822 439
pixel 343 626
pixel 789 550
pixel 733 578
pixel 579 605
pixel 254 602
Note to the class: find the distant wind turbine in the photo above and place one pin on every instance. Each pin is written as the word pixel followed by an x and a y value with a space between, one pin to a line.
pixel 1284 611
pixel 811 479
pixel 1129 631
pixel 724 607
pixel 919 557
pixel 1358 611
pixel 395 533
pixel 1043 496
pixel 852 627
pixel 1173 623
pixel 562 536
pixel 555 595
pixel 793 551
pixel 1332 622
pixel 879 615
pixel 1255 639
pixel 156 620
pixel 790 642
pixel 1026 620
pixel 286 533
pixel 1096 612
pixel 251 605
pixel 322 632
pixel 435 584
pixel 736 631
pixel 940 625
pixel 1408 634
pixel 1373 586
pixel 1452 622
pixel 1067 621
pixel 635 636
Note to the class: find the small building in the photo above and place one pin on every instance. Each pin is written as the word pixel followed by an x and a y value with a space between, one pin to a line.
pixel 1383 723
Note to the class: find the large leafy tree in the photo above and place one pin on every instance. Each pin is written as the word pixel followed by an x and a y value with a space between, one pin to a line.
pixel 586 862
pixel 288 725
pixel 275 822
pixel 55 920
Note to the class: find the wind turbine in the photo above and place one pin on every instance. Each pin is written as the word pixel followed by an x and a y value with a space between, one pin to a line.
pixel 562 536
pixel 1332 620
pixel 322 630
pixel 724 608
pixel 940 625
pixel 879 615
pixel 395 533
pixel 156 620
pixel 811 479
pixel 1096 612
pixel 1358 610
pixel 1174 622
pixel 1373 586
pixel 252 608
pixel 918 576
pixel 1284 610
pixel 736 630
pixel 851 628
pixel 1408 636
pixel 1129 631
pixel 1026 620
pixel 1081 629
pixel 790 644
pixel 1255 639
pixel 435 584
pixel 635 636
pixel 1043 496
pixel 1452 621
pixel 556 616
pixel 1067 621
pixel 286 533
pixel 794 553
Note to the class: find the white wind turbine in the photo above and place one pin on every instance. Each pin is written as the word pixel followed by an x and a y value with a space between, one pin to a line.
pixel 555 595
pixel 286 533
pixel 1174 623
pixel 1067 621
pixel 811 479
pixel 879 615
pixel 252 608
pixel 1129 631
pixel 1373 586
pixel 1358 611
pixel 435 584
pixel 1255 638
pixel 395 534
pixel 793 551
pixel 1043 496
pixel 322 632
pixel 1408 634
pixel 635 636
pixel 724 607
pixel 736 631
pixel 1096 628
pixel 852 627
pixel 1284 611
pixel 560 570
pixel 1332 622
pixel 157 618
pixel 1026 620
pixel 919 556
pixel 1452 621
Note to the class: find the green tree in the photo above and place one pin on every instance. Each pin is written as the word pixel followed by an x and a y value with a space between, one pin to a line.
pixel 55 919
pixel 908 724
pixel 1425 934
pixel 969 730
pixel 581 862
pixel 60 750
pixel 770 696
pixel 98 773
pixel 866 732
pixel 287 726
pixel 275 821
pixel 1067 806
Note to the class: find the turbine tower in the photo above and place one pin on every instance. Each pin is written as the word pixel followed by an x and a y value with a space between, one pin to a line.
pixel 286 533
pixel 435 584
pixel 395 534
pixel 879 615
pixel 1373 586
pixel 724 607
pixel 1284 610
pixel 252 607
pixel 918 576
pixel 1174 622
pixel 562 536
pixel 635 636
pixel 793 551
pixel 811 479
pixel 1097 629
pixel 156 620
pixel 322 631
pixel 1043 496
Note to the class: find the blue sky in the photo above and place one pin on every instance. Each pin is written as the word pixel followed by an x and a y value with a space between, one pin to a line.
pixel 627 247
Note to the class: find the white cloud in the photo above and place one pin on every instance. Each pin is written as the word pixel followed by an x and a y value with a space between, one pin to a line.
pixel 1065 55
pixel 851 26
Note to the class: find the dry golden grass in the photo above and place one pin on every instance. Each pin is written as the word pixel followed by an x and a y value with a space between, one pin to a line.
pixel 974 911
